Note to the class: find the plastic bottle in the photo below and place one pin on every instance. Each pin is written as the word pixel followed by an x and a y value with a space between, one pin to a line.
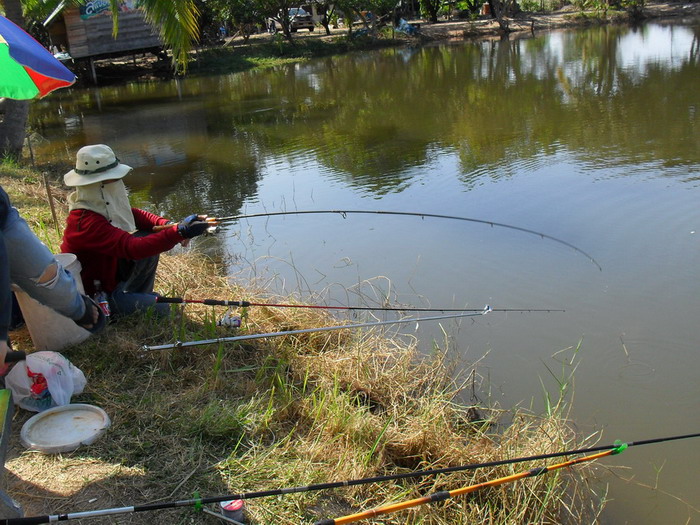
pixel 101 298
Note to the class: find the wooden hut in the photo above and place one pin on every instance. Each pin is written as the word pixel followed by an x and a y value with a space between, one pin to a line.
pixel 86 32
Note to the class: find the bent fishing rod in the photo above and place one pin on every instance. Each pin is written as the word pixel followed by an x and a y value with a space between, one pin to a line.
pixel 247 337
pixel 447 494
pixel 246 304
pixel 198 502
pixel 343 213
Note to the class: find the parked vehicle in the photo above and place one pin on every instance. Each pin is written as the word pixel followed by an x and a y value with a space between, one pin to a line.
pixel 298 19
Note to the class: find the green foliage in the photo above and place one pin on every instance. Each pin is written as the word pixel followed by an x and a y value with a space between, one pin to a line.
pixel 430 8
pixel 9 162
pixel 530 5
pixel 177 22
pixel 278 51
pixel 468 6
pixel 564 380
pixel 541 6
pixel 237 12
pixel 220 420
pixel 39 9
pixel 634 8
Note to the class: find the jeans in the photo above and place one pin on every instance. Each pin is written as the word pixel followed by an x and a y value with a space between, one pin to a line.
pixel 30 264
pixel 135 294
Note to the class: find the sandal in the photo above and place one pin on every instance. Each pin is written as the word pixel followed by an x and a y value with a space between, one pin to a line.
pixel 87 322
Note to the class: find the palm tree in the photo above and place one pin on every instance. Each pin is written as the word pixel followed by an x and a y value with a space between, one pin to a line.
pixel 176 20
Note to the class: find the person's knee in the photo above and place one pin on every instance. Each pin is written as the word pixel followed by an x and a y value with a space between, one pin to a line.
pixel 49 277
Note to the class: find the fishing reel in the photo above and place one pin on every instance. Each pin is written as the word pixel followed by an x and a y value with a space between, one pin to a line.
pixel 229 319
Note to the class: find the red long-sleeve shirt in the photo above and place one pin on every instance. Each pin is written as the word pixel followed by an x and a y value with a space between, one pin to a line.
pixel 99 245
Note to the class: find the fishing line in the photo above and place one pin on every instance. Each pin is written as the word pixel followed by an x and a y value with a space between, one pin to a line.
pixel 180 344
pixel 198 502
pixel 343 213
pixel 245 304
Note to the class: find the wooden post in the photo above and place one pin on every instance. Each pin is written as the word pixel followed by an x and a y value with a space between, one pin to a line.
pixel 92 70
pixel 53 208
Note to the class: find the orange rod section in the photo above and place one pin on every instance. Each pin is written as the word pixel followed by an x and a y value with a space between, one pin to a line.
pixel 352 518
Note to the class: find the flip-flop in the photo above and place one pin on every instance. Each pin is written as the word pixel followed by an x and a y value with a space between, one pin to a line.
pixel 86 320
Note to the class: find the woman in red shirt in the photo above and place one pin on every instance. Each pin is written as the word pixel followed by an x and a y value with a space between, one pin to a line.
pixel 117 245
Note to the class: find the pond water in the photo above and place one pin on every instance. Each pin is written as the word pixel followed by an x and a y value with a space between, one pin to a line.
pixel 589 136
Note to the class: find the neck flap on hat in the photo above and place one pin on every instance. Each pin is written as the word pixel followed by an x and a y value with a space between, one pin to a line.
pixel 109 200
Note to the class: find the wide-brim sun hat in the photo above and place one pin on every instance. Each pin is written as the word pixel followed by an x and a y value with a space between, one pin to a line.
pixel 94 164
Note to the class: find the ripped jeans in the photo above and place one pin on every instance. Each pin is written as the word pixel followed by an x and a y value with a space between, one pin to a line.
pixel 34 268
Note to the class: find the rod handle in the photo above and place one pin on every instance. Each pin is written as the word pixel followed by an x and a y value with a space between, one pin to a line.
pixel 176 300
pixel 31 520
pixel 162 227
pixel 215 302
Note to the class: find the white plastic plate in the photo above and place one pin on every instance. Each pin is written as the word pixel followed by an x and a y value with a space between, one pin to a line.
pixel 64 428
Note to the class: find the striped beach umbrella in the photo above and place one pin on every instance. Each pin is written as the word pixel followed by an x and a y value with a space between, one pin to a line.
pixel 28 69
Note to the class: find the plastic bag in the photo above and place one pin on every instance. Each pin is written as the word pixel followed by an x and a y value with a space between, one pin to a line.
pixel 46 379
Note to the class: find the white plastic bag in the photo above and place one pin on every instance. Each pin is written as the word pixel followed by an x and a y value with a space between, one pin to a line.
pixel 46 379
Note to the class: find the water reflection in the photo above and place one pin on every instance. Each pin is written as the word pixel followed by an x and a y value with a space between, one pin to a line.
pixel 371 120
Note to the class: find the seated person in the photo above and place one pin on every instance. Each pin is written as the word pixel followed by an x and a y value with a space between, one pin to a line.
pixel 27 262
pixel 118 246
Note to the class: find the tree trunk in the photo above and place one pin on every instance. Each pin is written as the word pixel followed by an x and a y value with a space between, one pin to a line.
pixel 499 11
pixel 13 11
pixel 13 127
pixel 13 113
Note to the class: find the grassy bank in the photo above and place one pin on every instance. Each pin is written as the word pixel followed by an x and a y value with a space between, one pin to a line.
pixel 277 51
pixel 261 52
pixel 281 412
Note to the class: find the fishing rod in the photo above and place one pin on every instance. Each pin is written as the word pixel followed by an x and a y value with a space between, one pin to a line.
pixel 180 344
pixel 412 214
pixel 246 304
pixel 198 502
pixel 447 494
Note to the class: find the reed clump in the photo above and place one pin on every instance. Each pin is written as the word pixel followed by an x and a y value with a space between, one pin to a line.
pixel 285 411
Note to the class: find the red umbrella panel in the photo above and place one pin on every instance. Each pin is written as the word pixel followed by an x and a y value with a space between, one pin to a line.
pixel 28 69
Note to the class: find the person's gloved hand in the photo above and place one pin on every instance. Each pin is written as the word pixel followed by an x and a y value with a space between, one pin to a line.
pixel 193 226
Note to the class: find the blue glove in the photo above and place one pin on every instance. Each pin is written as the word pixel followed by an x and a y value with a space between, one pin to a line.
pixel 192 226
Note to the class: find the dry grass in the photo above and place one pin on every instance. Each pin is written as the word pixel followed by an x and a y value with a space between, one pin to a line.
pixel 282 412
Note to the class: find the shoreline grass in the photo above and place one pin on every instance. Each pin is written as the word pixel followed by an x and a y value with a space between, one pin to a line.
pixel 282 412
